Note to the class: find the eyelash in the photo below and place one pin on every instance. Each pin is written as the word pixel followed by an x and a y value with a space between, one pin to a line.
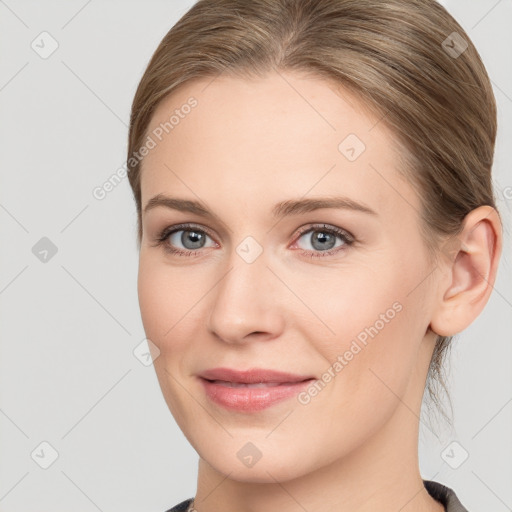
pixel 347 238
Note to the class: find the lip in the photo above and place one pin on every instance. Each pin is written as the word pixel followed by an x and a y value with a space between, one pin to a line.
pixel 235 390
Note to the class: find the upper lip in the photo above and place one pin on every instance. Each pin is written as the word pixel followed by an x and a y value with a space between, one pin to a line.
pixel 252 376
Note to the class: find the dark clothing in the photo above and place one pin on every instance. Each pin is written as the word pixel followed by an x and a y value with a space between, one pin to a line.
pixel 181 507
pixel 445 495
pixel 438 491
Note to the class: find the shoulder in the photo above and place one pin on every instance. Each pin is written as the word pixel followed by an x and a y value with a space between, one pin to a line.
pixel 445 495
pixel 181 507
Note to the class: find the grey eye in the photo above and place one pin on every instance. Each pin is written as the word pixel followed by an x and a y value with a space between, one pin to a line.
pixel 191 239
pixel 321 239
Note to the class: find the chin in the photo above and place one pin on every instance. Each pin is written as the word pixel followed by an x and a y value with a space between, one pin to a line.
pixel 259 461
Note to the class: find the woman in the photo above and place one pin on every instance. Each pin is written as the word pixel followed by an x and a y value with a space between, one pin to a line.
pixel 259 132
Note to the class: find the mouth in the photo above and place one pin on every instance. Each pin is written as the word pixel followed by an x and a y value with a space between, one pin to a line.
pixel 252 376
pixel 252 390
pixel 255 385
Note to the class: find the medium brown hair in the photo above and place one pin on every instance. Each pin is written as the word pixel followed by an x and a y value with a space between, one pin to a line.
pixel 405 60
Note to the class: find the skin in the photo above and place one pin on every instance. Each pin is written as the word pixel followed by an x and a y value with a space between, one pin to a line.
pixel 249 144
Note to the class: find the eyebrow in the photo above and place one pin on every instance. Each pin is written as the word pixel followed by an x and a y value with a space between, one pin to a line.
pixel 280 210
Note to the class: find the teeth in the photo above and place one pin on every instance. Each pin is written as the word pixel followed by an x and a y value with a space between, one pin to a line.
pixel 243 385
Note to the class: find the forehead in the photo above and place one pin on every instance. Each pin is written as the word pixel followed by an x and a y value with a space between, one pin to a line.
pixel 285 133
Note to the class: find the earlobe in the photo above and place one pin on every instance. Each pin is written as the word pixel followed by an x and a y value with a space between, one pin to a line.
pixel 469 271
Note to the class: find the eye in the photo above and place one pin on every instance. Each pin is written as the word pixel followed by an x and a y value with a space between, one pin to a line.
pixel 192 239
pixel 188 240
pixel 323 239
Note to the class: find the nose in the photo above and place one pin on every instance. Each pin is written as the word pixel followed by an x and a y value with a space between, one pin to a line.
pixel 247 303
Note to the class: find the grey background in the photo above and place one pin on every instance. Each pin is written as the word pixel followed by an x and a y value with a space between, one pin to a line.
pixel 69 326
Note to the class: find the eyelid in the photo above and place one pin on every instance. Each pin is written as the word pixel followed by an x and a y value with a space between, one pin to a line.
pixel 303 229
pixel 317 226
pixel 186 226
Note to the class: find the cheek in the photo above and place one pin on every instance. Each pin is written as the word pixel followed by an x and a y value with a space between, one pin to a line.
pixel 166 300
pixel 375 326
pixel 353 300
pixel 166 306
pixel 154 298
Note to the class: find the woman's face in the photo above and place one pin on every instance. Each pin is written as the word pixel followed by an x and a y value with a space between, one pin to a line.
pixel 340 294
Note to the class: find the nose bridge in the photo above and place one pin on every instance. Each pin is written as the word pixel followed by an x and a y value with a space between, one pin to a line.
pixel 245 300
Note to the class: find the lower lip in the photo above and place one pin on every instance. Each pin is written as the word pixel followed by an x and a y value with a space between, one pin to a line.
pixel 251 399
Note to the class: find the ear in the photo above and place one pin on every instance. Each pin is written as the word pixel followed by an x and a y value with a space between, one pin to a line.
pixel 469 264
